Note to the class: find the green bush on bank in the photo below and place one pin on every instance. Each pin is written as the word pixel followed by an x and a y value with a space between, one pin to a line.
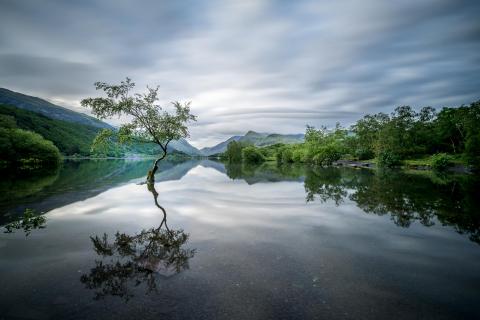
pixel 472 150
pixel 441 161
pixel 238 152
pixel 326 155
pixel 252 155
pixel 388 159
pixel 23 149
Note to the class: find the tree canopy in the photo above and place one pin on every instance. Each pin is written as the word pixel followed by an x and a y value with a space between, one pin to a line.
pixel 23 149
pixel 148 121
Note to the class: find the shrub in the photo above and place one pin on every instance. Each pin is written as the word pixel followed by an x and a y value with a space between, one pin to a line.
pixel 332 152
pixel 441 161
pixel 326 155
pixel 285 155
pixel 364 154
pixel 388 159
pixel 279 155
pixel 252 155
pixel 298 155
pixel 234 151
pixel 472 150
pixel 27 150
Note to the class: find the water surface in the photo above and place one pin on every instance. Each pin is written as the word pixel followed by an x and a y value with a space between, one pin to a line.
pixel 240 242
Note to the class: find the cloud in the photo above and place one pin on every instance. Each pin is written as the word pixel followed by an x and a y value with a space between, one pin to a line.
pixel 271 66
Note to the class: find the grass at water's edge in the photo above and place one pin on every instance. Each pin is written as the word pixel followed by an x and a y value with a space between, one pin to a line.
pixel 458 164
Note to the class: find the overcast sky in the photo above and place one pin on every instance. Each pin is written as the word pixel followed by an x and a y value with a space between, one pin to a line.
pixel 270 66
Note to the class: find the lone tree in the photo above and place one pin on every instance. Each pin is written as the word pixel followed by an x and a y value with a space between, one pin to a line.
pixel 149 122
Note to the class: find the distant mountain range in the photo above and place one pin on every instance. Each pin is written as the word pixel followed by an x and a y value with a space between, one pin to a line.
pixel 257 139
pixel 85 123
pixel 219 148
pixel 184 146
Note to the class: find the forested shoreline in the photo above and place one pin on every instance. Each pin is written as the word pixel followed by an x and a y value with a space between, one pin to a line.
pixel 25 150
pixel 441 139
pixel 426 137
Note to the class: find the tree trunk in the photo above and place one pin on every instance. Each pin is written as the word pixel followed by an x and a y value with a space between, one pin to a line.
pixel 453 145
pixel 151 173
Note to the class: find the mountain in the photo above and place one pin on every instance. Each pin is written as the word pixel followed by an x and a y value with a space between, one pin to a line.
pixel 256 138
pixel 72 132
pixel 182 145
pixel 48 109
pixel 281 138
pixel 267 139
pixel 219 148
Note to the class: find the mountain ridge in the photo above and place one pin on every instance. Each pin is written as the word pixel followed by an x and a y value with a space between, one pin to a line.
pixel 260 139
pixel 48 109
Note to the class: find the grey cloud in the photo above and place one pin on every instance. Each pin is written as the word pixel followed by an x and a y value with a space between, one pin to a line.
pixel 263 65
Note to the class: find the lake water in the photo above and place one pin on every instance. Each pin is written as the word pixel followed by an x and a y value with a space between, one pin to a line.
pixel 239 242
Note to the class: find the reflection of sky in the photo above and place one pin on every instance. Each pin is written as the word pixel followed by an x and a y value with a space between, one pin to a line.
pixel 256 244
pixel 248 65
pixel 206 199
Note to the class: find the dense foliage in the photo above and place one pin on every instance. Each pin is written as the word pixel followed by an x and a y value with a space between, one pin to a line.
pixel 252 154
pixel 70 138
pixel 404 134
pixel 149 123
pixel 24 149
pixel 320 147
pixel 240 151
pixel 441 161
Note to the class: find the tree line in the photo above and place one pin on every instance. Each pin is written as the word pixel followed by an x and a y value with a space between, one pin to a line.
pixel 24 150
pixel 445 136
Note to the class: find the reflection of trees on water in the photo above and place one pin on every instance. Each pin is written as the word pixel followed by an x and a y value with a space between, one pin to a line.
pixel 28 222
pixel 76 180
pixel 324 184
pixel 137 259
pixel 266 172
pixel 405 197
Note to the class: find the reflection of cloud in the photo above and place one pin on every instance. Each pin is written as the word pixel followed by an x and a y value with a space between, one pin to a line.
pixel 263 65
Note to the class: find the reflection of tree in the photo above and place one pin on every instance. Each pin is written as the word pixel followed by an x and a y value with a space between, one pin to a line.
pixel 18 186
pixel 452 200
pixel 407 198
pixel 265 172
pixel 403 197
pixel 28 222
pixel 325 184
pixel 137 258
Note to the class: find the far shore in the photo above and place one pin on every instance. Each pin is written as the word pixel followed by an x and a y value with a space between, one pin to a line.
pixel 363 164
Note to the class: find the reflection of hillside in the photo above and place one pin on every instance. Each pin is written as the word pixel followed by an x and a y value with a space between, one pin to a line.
pixel 13 188
pixel 80 180
pixel 219 166
pixel 174 171
pixel 266 172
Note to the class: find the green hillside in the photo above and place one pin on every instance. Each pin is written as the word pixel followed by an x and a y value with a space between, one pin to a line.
pixel 70 138
pixel 52 111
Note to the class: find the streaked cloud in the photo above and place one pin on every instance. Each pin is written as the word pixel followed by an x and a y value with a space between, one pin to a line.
pixel 271 66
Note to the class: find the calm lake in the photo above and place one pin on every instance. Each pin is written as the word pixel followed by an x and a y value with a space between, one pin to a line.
pixel 210 241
